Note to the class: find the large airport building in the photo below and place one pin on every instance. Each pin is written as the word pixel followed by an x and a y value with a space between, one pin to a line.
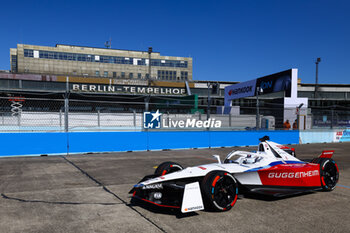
pixel 98 62
pixel 134 79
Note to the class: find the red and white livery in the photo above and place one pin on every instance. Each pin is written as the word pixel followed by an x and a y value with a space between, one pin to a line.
pixel 272 170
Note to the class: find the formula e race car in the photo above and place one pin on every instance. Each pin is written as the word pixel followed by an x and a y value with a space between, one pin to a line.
pixel 272 170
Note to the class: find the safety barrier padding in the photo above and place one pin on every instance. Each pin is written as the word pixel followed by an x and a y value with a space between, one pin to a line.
pixel 32 143
pixel 326 135
pixel 85 142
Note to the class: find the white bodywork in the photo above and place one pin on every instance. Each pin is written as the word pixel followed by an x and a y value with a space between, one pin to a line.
pixel 192 200
pixel 246 161
pixel 244 165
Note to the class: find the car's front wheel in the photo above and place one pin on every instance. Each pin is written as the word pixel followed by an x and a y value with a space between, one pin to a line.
pixel 167 167
pixel 220 190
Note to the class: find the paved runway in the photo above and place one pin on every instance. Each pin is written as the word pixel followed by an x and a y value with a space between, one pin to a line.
pixel 89 193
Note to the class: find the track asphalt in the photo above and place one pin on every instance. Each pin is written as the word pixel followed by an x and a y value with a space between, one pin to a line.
pixel 89 193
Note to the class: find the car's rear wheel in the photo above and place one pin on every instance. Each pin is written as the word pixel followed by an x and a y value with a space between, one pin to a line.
pixel 329 173
pixel 220 190
pixel 167 167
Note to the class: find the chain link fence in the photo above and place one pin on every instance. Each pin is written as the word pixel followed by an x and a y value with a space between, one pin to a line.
pixel 50 115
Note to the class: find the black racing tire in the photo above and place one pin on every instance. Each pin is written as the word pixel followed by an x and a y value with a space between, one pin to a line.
pixel 329 173
pixel 314 160
pixel 220 191
pixel 167 168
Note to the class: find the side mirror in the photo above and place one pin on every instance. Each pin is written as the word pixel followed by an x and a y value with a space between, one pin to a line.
pixel 217 158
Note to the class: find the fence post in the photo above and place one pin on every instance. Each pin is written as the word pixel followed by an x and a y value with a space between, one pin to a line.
pixel 66 109
pixel 60 118
pixel 229 120
pixel 134 114
pixel 98 118
pixel 19 119
pixel 257 109
pixel 332 117
pixel 66 106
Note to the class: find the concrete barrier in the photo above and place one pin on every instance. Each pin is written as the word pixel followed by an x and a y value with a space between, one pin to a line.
pixel 13 144
pixel 327 136
pixel 32 143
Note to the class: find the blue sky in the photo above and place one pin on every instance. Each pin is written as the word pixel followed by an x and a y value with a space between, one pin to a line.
pixel 228 40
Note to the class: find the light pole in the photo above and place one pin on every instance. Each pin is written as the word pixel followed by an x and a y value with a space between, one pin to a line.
pixel 148 79
pixel 298 114
pixel 149 64
pixel 208 107
pixel 318 60
pixel 258 90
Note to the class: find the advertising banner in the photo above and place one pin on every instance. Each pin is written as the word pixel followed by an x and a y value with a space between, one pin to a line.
pixel 342 136
pixel 276 83
pixel 328 136
pixel 281 81
pixel 240 90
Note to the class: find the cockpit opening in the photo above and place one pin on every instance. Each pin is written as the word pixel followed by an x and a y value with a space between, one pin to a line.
pixel 243 158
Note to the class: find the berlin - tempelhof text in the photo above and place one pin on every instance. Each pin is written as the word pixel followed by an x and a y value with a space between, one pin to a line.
pixel 128 89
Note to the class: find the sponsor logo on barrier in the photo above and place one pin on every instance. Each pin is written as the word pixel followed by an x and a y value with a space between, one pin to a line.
pixel 192 123
pixel 290 175
pixel 153 120
pixel 340 133
pixel 341 136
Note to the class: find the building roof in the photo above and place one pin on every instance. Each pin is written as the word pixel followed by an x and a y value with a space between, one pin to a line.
pixel 79 46
pixel 323 85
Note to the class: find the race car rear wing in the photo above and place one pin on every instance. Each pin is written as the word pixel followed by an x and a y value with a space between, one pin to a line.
pixel 327 154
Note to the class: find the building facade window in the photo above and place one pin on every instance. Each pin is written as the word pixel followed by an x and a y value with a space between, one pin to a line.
pixel 123 74
pixel 131 75
pixel 166 74
pixel 14 63
pixel 28 53
pixel 184 75
pixel 97 73
pixel 105 74
pixel 139 76
pixel 104 59
pixel 114 74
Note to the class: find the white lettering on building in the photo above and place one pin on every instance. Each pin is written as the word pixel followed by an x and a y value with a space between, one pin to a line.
pixel 75 87
pixel 128 89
